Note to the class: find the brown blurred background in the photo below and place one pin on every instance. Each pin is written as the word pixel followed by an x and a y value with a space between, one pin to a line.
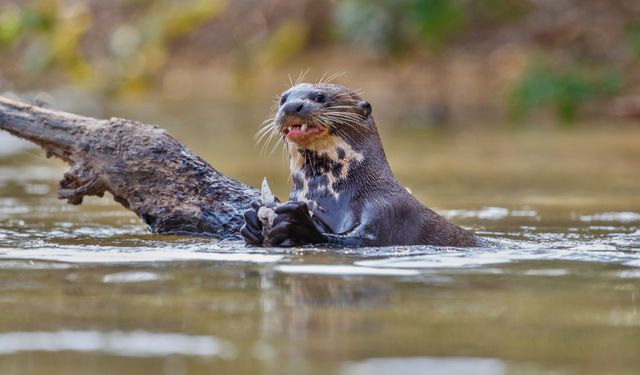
pixel 437 62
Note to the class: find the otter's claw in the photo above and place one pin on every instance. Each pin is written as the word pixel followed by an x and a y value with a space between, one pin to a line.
pixel 252 228
pixel 293 226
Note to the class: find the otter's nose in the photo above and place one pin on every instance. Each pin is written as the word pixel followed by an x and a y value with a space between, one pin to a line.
pixel 294 107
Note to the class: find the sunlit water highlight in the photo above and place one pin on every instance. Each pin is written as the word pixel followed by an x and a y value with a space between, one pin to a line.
pixel 129 344
pixel 426 365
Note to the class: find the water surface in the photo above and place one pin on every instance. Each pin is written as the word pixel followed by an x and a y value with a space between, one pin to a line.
pixel 85 289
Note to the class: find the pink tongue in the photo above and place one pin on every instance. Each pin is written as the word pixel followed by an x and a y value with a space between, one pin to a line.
pixel 297 131
pixel 310 130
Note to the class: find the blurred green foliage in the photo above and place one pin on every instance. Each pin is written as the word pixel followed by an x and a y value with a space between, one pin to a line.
pixel 51 39
pixel 10 26
pixel 54 32
pixel 499 10
pixel 633 37
pixel 394 26
pixel 436 19
pixel 127 49
pixel 141 49
pixel 564 89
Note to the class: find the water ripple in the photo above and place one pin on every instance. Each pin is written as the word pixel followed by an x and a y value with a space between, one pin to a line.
pixel 130 277
pixel 92 254
pixel 425 365
pixel 481 257
pixel 624 217
pixel 327 269
pixel 129 344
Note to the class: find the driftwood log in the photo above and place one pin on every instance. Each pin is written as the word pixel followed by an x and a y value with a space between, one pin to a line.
pixel 145 169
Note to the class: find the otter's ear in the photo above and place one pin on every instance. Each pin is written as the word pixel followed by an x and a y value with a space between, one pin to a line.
pixel 366 107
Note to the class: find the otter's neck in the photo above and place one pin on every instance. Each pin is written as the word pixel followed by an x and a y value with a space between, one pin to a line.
pixel 340 171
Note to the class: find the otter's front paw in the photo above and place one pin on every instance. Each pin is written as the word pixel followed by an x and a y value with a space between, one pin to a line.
pixel 252 228
pixel 293 226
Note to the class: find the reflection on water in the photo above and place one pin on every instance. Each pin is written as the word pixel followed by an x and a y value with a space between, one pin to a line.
pixel 624 217
pixel 85 289
pixel 129 344
pixel 426 365
pixel 98 254
pixel 130 277
pixel 330 269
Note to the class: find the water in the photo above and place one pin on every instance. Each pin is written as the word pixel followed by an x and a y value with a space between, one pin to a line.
pixel 85 289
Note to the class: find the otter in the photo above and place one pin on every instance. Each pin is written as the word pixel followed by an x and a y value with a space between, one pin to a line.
pixel 344 192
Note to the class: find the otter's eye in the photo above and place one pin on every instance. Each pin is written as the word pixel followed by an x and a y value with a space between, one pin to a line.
pixel 283 99
pixel 320 98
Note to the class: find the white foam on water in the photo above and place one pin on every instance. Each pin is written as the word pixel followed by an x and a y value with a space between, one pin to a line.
pixel 325 269
pixel 594 247
pixel 425 365
pixel 127 344
pixel 140 255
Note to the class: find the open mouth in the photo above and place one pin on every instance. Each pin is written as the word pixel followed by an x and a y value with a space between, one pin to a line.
pixel 301 132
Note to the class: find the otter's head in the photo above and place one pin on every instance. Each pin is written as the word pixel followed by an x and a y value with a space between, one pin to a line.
pixel 315 116
pixel 331 137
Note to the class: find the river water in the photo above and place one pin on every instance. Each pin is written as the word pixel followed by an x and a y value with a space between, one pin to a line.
pixel 85 289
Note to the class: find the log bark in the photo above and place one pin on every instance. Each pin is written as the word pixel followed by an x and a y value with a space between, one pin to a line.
pixel 145 169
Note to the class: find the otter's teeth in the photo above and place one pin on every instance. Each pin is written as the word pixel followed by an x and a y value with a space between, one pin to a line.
pixel 289 128
pixel 303 127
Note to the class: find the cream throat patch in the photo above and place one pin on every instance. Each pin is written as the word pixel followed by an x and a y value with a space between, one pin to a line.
pixel 320 170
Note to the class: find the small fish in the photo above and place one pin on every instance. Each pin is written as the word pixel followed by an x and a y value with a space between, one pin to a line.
pixel 266 213
pixel 267 196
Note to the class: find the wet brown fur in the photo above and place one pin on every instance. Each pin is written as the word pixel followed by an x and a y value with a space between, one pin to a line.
pixel 343 175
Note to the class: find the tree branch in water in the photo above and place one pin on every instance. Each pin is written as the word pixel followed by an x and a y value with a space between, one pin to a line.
pixel 145 169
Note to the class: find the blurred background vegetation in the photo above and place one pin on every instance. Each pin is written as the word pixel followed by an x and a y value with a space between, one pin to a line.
pixel 436 61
